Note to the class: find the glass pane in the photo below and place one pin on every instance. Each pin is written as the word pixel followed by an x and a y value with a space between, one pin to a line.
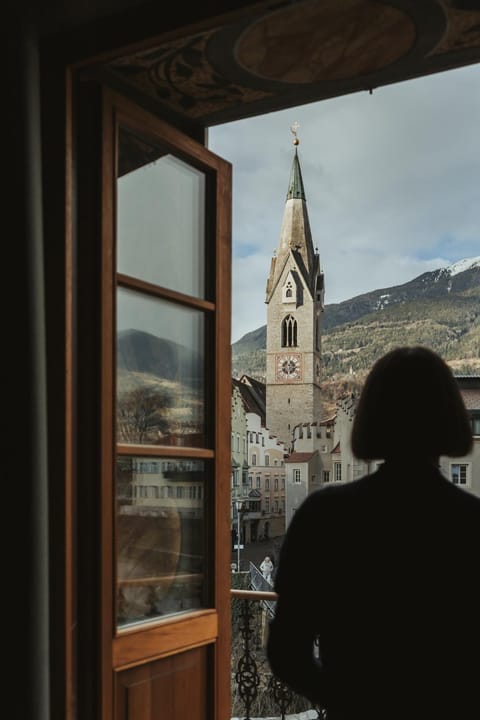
pixel 160 537
pixel 160 217
pixel 160 372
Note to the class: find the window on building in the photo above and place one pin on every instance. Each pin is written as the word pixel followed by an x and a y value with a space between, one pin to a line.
pixel 275 484
pixel 337 472
pixel 459 473
pixel 326 476
pixel 283 483
pixel 297 476
pixel 267 483
pixel 254 459
pixel 250 481
pixel 475 425
pixel 267 459
pixel 267 505
pixel 275 506
pixel 258 482
pixel 289 332
pixel 238 443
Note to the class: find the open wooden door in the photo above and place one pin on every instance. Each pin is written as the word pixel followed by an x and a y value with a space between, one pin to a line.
pixel 164 576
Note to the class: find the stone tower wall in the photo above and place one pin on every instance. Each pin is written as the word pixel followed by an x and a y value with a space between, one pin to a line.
pixel 293 402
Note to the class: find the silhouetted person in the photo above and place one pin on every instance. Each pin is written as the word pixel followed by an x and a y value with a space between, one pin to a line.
pixel 384 570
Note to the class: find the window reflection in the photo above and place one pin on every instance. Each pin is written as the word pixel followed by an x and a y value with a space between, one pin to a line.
pixel 160 537
pixel 160 217
pixel 160 372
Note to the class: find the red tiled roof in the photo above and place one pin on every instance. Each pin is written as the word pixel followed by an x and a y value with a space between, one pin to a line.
pixel 300 457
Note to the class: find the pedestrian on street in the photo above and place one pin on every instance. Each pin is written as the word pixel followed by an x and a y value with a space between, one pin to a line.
pixel 266 568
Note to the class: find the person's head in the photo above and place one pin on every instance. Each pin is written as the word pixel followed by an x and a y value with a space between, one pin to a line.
pixel 409 406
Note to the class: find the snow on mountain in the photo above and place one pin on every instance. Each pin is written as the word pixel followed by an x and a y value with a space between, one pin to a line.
pixel 462 265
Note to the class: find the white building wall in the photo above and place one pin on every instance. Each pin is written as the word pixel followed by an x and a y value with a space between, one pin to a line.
pixel 465 469
pixel 266 460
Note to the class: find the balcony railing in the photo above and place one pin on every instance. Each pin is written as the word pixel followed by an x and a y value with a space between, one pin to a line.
pixel 256 693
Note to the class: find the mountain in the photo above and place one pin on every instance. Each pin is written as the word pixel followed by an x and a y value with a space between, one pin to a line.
pixel 142 353
pixel 440 309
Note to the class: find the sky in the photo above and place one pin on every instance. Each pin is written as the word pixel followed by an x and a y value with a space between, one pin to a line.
pixel 392 181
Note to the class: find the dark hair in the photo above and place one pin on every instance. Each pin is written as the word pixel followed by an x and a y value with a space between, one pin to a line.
pixel 410 405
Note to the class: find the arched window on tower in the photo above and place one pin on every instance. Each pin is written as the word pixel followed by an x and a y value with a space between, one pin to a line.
pixel 289 332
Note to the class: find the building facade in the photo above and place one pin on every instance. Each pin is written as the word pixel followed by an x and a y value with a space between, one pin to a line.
pixel 465 471
pixel 258 469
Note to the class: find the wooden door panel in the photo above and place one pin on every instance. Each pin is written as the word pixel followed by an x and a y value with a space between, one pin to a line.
pixel 165 628
pixel 173 687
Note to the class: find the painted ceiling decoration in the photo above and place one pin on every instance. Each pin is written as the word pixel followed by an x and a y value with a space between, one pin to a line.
pixel 296 52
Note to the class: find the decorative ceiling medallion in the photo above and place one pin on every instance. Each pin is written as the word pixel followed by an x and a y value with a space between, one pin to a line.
pixel 324 40
pixel 463 29
pixel 179 74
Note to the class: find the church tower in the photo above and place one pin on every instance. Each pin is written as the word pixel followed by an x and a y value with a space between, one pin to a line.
pixel 294 298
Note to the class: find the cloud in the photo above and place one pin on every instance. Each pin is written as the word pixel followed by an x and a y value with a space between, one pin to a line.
pixel 392 182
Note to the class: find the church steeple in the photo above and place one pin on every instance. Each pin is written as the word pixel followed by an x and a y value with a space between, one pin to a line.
pixel 295 234
pixel 294 308
pixel 295 186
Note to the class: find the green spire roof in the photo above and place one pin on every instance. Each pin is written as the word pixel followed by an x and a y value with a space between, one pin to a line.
pixel 295 186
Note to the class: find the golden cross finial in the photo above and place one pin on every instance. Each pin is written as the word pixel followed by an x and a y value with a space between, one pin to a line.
pixel 294 129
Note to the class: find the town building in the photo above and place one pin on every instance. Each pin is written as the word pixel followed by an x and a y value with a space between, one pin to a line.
pixel 262 491
pixel 465 471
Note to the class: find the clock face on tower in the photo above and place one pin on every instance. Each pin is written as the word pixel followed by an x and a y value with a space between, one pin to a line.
pixel 289 367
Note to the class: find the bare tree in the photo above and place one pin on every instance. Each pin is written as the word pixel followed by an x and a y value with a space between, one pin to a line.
pixel 140 414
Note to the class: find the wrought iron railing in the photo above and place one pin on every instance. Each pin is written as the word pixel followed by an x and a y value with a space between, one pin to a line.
pixel 256 693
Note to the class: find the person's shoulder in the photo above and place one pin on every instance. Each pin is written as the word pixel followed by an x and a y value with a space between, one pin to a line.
pixel 329 495
pixel 464 499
